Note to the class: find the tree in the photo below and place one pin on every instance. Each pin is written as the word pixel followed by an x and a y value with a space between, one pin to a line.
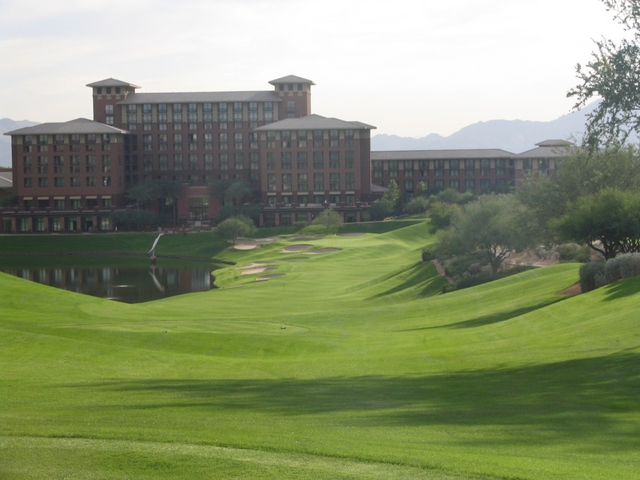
pixel 608 221
pixel 421 190
pixel 237 191
pixel 440 215
pixel 613 74
pixel 168 192
pixel 143 192
pixel 491 227
pixel 381 209
pixel 581 173
pixel 235 227
pixel 392 193
pixel 329 218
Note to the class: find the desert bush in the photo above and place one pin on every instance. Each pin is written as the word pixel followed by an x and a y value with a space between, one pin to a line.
pixel 591 276
pixel 622 267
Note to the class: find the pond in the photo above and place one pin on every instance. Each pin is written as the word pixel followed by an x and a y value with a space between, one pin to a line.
pixel 132 282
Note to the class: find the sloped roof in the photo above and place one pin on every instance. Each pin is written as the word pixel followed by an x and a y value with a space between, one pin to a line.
pixel 314 122
pixel 548 149
pixel 441 154
pixel 6 179
pixel 291 79
pixel 200 97
pixel 112 82
pixel 79 125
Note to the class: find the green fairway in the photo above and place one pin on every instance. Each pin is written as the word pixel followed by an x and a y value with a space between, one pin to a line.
pixel 350 364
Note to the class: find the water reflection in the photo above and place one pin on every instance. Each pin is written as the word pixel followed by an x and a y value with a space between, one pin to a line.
pixel 124 284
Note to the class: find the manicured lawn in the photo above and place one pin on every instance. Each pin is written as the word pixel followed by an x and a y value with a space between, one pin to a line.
pixel 375 374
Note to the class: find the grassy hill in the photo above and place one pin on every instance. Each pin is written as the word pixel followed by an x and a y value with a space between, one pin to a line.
pixel 375 374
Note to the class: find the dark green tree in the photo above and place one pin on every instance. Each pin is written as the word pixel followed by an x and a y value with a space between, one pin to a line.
pixel 607 221
pixel 381 209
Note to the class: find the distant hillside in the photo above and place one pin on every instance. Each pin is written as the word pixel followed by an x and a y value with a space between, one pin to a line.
pixel 512 135
pixel 8 125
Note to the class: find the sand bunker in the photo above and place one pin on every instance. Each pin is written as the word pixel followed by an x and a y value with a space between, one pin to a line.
pixel 253 265
pixel 246 246
pixel 296 248
pixel 251 271
pixel 322 250
pixel 267 240
pixel 267 277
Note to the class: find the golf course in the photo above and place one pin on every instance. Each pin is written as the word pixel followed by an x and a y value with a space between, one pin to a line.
pixel 318 357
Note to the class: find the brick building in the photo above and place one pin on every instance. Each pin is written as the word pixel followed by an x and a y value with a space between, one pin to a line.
pixel 72 176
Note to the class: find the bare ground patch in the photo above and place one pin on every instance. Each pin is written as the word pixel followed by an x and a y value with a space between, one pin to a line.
pixel 572 290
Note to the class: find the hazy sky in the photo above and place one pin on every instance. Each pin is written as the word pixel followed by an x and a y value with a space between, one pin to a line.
pixel 409 67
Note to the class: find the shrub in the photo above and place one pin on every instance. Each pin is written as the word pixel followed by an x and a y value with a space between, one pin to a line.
pixel 381 209
pixel 572 252
pixel 428 254
pixel 623 266
pixel 417 205
pixel 591 276
pixel 485 276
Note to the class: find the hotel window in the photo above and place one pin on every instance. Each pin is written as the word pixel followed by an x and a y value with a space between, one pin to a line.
pixel 58 164
pixel 253 141
pixel 268 115
pixel 92 181
pixel 318 160
pixel 224 161
pixel 43 182
pixel 334 138
pixel 176 107
pixel 237 140
pixel 146 108
pixel 177 118
pixel 377 165
pixel 469 184
pixel 469 167
pixel 318 199
pixel 91 163
pixel 237 106
pixel 108 109
pixel 271 182
pixel 254 161
pixel 207 107
pixel 286 161
pixel 334 181
pixel 162 108
pixel 543 163
pixel 43 165
pixel 27 162
pixel 238 161
pixel 58 139
pixel 193 118
pixel 454 173
pixel 302 161
pixel 192 107
pixel 237 117
pixel 222 107
pixel 177 161
pixel 177 141
pixel 407 165
pixel 501 163
pixel 485 184
pixel 28 182
pixel 76 203
pixel 146 118
pixel 222 116
pixel 291 107
pixel 318 181
pixel 454 164
pixel 192 138
pixel 253 106
pixel 163 162
pixel 106 181
pixel 207 117
pixel 132 119
pixel 162 118
pixel 59 204
pixel 147 163
pixel 455 184
pixel 106 202
pixel 268 106
pixel 74 164
pixel 334 159
pixel 271 161
pixel 317 138
pixel 408 185
pixel 303 182
pixel 286 182
pixel 349 181
pixel 75 181
pixel 208 161
pixel 105 138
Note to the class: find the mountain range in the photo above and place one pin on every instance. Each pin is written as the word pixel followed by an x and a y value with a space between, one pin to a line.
pixel 514 136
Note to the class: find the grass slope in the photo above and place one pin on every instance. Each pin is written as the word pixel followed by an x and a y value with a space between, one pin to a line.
pixel 374 376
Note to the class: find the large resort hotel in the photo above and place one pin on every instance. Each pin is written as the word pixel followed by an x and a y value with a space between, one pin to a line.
pixel 71 176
